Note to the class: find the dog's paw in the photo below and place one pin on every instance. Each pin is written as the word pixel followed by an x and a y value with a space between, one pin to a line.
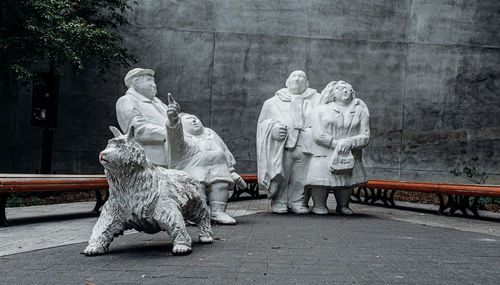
pixel 94 250
pixel 181 249
pixel 206 239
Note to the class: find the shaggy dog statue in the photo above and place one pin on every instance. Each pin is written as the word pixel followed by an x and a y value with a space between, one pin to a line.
pixel 147 198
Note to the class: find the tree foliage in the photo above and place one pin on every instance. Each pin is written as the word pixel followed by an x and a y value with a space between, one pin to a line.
pixel 469 169
pixel 61 31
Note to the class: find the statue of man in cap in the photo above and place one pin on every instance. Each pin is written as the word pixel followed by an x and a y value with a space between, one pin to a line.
pixel 140 107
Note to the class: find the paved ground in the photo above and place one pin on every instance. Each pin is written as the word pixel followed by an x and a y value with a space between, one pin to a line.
pixel 41 227
pixel 377 246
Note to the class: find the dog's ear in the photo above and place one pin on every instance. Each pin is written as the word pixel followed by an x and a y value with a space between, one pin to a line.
pixel 116 132
pixel 131 133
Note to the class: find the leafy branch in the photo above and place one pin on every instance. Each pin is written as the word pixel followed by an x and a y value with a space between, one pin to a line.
pixel 62 31
pixel 468 170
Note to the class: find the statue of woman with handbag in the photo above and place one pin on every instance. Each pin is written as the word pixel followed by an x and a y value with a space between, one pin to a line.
pixel 340 130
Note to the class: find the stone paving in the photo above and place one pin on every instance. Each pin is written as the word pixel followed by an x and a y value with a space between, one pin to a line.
pixel 41 227
pixel 377 246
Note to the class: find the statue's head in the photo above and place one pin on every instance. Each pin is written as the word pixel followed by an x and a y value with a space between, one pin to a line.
pixel 338 91
pixel 123 153
pixel 297 82
pixel 142 81
pixel 191 124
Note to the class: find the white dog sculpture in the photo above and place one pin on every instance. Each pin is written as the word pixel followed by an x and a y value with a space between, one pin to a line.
pixel 147 198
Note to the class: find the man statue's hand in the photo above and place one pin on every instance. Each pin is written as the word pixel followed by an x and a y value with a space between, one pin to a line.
pixel 172 110
pixel 279 131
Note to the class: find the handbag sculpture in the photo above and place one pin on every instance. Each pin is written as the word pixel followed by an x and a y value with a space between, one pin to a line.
pixel 341 163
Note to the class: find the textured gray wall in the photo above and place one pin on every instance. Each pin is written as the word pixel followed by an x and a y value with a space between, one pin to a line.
pixel 429 71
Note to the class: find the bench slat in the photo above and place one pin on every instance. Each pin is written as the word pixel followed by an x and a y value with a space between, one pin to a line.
pixel 438 188
pixel 39 183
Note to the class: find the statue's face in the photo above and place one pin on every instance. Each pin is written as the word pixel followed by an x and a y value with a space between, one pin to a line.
pixel 343 92
pixel 145 85
pixel 192 125
pixel 297 82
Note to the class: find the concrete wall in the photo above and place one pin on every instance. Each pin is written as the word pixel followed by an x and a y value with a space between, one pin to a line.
pixel 429 71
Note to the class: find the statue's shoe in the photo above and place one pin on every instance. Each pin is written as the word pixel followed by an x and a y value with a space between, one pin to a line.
pixel 344 211
pixel 320 210
pixel 222 218
pixel 279 208
pixel 300 210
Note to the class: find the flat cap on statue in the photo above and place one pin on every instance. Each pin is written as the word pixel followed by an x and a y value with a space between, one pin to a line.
pixel 136 72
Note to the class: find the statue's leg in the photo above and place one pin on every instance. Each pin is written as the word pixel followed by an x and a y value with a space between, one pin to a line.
pixel 170 219
pixel 319 196
pixel 109 225
pixel 218 194
pixel 204 228
pixel 279 202
pixel 200 216
pixel 296 187
pixel 343 197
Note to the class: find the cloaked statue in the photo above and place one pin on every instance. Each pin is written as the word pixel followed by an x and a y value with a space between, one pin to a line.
pixel 284 144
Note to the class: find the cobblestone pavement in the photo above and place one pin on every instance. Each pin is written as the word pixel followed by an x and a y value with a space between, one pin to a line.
pixel 276 249
pixel 41 227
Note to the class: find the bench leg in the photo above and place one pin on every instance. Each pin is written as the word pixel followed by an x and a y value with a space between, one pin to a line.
pixel 355 195
pixel 3 217
pixel 383 197
pixel 453 203
pixel 474 207
pixel 442 205
pixel 376 196
pixel 254 190
pixel 367 193
pixel 99 200
pixel 236 193
pixel 391 198
pixel 466 204
pixel 463 205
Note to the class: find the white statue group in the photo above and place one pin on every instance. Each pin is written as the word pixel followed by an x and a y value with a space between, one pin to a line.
pixel 166 166
pixel 310 143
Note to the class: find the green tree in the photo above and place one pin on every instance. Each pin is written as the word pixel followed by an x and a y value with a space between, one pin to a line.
pixel 61 31
pixel 469 169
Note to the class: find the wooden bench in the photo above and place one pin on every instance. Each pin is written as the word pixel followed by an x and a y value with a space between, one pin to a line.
pixel 26 183
pixel 458 195
pixel 462 197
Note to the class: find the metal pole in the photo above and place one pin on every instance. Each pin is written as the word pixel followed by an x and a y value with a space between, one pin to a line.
pixel 47 138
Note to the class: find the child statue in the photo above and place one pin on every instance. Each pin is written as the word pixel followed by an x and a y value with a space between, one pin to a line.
pixel 201 152
pixel 340 130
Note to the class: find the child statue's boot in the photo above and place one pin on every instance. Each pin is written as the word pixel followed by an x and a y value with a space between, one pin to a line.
pixel 219 215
